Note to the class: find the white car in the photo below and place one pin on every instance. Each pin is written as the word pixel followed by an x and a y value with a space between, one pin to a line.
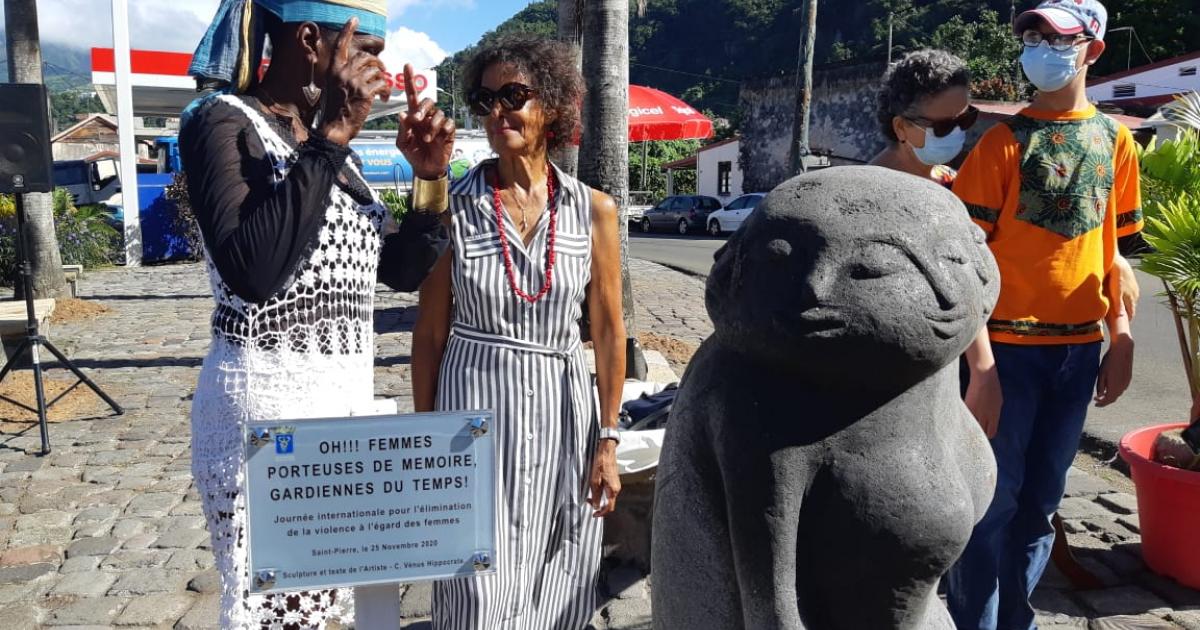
pixel 730 218
pixel 634 214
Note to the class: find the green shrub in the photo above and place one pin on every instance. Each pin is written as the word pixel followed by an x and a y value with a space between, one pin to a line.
pixel 84 235
pixel 185 219
pixel 395 202
pixel 8 242
pixel 1170 169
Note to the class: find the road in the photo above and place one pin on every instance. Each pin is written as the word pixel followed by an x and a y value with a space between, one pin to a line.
pixel 1159 392
pixel 691 254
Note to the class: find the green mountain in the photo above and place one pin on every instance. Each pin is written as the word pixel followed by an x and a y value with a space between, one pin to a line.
pixel 67 72
pixel 63 68
pixel 701 50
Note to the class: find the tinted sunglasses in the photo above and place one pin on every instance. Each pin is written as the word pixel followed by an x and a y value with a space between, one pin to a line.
pixel 942 128
pixel 512 97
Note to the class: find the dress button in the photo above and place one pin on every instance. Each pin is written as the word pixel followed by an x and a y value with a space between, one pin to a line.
pixel 528 480
pixel 528 436
pixel 529 392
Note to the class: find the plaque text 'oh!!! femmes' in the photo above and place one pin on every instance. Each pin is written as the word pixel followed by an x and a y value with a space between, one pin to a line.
pixel 370 500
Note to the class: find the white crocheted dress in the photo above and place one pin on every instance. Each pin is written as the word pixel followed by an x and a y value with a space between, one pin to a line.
pixel 306 352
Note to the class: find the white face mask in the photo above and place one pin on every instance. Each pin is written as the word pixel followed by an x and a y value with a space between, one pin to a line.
pixel 1049 70
pixel 941 150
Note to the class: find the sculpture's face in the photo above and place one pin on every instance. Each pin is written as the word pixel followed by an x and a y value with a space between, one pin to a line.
pixel 845 279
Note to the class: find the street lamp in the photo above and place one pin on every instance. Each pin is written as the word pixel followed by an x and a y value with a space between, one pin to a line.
pixel 1129 52
pixel 454 106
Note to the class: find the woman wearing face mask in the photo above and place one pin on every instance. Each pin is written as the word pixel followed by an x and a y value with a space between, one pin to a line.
pixel 924 112
pixel 499 329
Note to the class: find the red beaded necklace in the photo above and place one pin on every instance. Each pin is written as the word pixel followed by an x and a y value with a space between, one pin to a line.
pixel 508 263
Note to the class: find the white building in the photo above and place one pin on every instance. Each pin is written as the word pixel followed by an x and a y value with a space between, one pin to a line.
pixel 1148 86
pixel 717 171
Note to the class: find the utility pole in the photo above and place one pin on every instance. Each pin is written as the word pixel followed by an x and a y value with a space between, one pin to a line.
pixel 25 66
pixel 804 69
pixel 1012 24
pixel 891 23
pixel 1129 49
pixel 129 156
pixel 453 95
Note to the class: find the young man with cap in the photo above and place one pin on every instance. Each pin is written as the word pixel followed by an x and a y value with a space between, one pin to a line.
pixel 1053 187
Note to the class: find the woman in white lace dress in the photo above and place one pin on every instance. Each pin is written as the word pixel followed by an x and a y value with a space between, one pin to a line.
pixel 294 239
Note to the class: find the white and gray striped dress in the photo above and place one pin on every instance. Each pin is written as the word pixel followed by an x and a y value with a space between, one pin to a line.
pixel 524 361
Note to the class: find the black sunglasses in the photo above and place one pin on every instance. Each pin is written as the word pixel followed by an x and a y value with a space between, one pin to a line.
pixel 512 97
pixel 942 128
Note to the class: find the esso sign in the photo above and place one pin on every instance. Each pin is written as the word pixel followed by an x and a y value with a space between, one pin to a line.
pixel 425 82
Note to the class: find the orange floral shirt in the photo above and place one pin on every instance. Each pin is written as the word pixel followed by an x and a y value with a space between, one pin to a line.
pixel 1053 191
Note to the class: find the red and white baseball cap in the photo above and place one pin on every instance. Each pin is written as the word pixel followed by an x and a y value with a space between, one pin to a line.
pixel 1069 17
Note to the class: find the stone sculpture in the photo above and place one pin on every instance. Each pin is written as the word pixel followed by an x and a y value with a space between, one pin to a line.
pixel 820 470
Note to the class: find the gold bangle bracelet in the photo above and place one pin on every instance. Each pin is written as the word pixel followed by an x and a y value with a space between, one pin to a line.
pixel 431 195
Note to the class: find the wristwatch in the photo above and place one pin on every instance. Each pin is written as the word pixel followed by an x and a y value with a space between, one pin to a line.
pixel 610 433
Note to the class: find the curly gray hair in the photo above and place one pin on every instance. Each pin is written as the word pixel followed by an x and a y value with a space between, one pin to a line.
pixel 919 75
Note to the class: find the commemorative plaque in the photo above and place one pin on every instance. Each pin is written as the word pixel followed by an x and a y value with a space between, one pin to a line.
pixel 343 502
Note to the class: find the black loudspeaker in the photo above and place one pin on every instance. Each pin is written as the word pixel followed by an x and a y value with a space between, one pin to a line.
pixel 26 164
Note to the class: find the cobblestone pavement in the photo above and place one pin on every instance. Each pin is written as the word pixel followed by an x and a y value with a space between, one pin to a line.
pixel 669 303
pixel 106 530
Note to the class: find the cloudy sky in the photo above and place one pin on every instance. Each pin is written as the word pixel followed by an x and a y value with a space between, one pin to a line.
pixel 421 31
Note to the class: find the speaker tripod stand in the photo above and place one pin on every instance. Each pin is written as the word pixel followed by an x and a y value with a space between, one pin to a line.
pixel 34 341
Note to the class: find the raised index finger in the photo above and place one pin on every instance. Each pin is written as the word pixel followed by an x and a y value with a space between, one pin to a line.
pixel 410 89
pixel 341 49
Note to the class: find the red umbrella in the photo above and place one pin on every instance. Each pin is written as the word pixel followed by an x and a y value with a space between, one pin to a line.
pixel 655 115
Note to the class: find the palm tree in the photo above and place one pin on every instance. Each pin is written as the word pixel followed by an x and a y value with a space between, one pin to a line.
pixel 604 154
pixel 1171 178
pixel 570 30
pixel 25 66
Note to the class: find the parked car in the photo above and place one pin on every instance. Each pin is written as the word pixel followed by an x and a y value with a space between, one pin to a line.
pixel 730 218
pixel 635 213
pixel 88 181
pixel 683 213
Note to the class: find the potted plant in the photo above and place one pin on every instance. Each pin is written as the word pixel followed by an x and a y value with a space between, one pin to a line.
pixel 1169 497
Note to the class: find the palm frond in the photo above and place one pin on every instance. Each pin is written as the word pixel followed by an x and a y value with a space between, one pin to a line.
pixel 1173 231
pixel 1184 111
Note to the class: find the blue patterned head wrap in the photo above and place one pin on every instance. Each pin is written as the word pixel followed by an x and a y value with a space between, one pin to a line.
pixel 231 51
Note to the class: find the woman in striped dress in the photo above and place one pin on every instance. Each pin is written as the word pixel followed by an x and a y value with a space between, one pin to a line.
pixel 499 330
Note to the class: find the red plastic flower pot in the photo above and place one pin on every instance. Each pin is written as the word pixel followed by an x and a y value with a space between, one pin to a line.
pixel 1168 508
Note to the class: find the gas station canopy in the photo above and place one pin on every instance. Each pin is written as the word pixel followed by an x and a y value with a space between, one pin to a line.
pixel 161 85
